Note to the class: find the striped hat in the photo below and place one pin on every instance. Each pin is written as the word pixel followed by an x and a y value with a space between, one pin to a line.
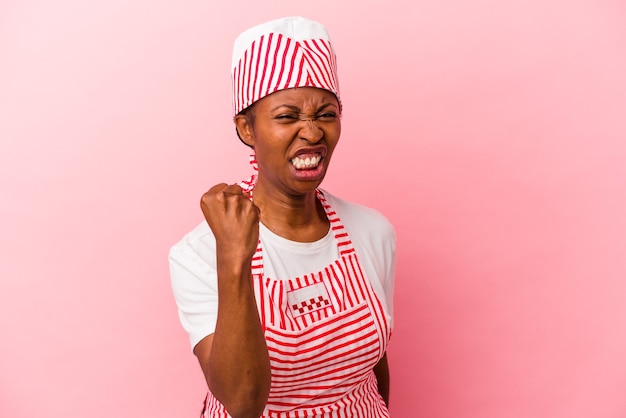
pixel 282 54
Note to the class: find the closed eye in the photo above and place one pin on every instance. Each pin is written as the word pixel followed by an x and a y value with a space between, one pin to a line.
pixel 286 117
pixel 327 117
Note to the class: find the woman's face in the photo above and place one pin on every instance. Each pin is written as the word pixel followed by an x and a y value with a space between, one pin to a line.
pixel 294 133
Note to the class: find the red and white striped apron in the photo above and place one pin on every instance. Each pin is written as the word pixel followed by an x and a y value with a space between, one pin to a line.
pixel 325 331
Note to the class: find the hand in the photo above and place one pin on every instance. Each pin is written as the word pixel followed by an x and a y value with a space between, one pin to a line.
pixel 234 220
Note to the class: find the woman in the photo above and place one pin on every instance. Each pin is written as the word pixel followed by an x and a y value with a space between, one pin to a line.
pixel 286 290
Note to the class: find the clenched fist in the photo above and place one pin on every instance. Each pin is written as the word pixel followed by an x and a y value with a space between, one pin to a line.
pixel 234 220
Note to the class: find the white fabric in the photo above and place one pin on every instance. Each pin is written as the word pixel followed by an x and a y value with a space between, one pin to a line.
pixel 193 264
pixel 295 27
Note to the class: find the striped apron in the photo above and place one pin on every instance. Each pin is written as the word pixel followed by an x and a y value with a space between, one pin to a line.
pixel 324 331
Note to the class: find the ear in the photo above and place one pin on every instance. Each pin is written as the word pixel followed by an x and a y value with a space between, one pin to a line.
pixel 245 130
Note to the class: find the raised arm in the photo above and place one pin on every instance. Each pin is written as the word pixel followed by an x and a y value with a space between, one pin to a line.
pixel 234 358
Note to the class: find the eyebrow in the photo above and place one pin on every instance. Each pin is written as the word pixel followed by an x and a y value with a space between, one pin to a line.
pixel 297 109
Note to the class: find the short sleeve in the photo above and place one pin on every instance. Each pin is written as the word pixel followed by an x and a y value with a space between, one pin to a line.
pixel 194 284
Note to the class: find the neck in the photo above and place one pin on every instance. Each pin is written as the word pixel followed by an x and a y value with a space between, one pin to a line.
pixel 298 218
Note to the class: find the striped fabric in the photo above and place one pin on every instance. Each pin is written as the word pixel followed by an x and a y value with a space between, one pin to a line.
pixel 324 331
pixel 280 59
pixel 248 184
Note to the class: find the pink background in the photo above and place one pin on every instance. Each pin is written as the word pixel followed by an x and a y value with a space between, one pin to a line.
pixel 491 134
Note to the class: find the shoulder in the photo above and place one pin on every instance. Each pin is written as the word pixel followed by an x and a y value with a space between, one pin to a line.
pixel 195 240
pixel 197 247
pixel 361 220
pixel 200 233
pixel 374 240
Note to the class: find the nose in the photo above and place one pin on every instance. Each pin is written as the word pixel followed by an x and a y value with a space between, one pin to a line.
pixel 311 132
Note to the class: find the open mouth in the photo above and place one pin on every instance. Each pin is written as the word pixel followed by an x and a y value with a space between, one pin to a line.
pixel 306 162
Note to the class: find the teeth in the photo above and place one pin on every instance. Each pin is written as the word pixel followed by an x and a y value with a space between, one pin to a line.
pixel 308 162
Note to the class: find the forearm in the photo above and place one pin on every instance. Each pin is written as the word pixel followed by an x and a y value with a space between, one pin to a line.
pixel 381 370
pixel 238 370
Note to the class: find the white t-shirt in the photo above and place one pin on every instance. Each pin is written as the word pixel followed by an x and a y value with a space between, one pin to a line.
pixel 194 275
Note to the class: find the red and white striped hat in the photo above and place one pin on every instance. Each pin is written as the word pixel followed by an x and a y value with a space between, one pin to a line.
pixel 282 54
